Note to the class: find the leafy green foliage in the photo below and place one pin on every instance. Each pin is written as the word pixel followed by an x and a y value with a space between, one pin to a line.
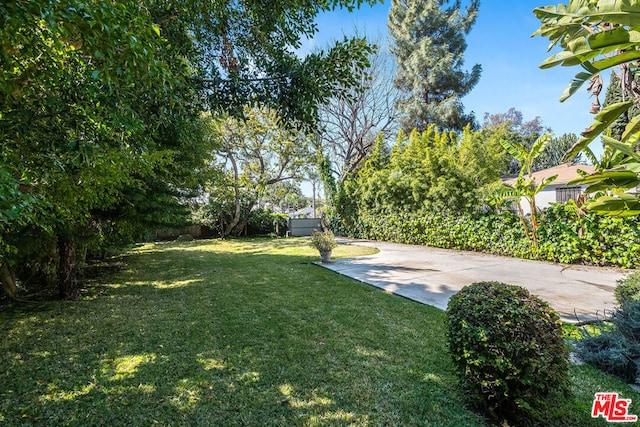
pixel 599 35
pixel 444 171
pixel 616 348
pixel 262 222
pixel 248 54
pixel 526 187
pixel 508 348
pixel 569 236
pixel 254 154
pixel 100 105
pixel 628 289
pixel 564 236
pixel 18 209
pixel 89 105
pixel 430 188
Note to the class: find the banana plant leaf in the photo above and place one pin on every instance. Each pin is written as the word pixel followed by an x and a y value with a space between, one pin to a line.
pixel 616 205
pixel 626 149
pixel 602 120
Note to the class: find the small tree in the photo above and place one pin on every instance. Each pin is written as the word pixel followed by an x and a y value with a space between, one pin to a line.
pixel 526 186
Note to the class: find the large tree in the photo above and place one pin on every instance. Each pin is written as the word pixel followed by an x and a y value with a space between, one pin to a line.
pixel 248 54
pixel 429 43
pixel 254 154
pixel 351 121
pixel 100 106
pixel 87 96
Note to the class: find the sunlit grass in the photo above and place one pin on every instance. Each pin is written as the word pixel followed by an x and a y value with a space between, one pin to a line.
pixel 240 332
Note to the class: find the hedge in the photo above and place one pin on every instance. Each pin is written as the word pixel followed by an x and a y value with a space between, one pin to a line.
pixel 564 235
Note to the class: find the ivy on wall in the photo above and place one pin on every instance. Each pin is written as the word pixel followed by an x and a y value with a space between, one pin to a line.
pixel 564 236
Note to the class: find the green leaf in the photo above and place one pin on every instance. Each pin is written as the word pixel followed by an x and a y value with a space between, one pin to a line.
pixel 506 192
pixel 545 183
pixel 612 175
pixel 602 121
pixel 620 146
pixel 565 58
pixel 590 155
pixel 617 205
pixel 576 84
pixel 630 133
pixel 539 145
pixel 612 61
pixel 632 166
pixel 608 180
pixel 515 149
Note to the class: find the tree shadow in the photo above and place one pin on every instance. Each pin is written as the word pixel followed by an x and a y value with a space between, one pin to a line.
pixel 195 337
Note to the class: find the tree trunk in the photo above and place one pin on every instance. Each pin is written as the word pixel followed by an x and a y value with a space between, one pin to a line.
pixel 229 230
pixel 523 220
pixel 8 281
pixel 67 269
pixel 236 195
pixel 534 221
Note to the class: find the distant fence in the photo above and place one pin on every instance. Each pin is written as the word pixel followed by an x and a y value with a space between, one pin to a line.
pixel 303 226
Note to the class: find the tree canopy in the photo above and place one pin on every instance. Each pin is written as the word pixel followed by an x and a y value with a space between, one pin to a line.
pixel 429 43
pixel 101 129
pixel 254 154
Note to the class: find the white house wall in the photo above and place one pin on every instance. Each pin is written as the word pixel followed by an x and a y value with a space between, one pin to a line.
pixel 543 199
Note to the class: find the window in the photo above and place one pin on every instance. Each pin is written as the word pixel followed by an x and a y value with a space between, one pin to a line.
pixel 563 194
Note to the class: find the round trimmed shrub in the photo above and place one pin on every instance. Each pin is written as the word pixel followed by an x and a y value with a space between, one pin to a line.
pixel 508 348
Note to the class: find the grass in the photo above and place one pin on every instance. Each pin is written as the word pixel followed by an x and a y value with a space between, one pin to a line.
pixel 241 332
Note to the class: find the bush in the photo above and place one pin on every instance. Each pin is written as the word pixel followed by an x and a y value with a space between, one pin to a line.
pixel 564 236
pixel 508 348
pixel 616 348
pixel 262 222
pixel 628 289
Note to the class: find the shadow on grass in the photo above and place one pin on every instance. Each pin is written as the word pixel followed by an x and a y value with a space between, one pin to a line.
pixel 202 334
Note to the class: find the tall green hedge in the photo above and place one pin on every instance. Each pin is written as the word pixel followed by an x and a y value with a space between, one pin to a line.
pixel 564 236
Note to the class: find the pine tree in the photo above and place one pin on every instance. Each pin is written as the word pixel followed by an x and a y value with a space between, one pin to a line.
pixel 613 95
pixel 428 42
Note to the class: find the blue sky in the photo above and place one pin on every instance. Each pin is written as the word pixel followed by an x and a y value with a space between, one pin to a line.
pixel 499 41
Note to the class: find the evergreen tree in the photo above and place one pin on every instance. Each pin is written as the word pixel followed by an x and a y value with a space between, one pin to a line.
pixel 428 42
pixel 553 154
pixel 613 95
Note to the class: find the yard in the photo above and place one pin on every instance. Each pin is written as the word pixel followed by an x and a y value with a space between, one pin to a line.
pixel 241 332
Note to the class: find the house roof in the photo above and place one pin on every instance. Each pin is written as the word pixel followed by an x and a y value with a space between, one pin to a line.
pixel 566 172
pixel 304 211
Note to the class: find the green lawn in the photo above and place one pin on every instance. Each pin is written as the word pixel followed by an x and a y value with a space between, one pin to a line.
pixel 240 332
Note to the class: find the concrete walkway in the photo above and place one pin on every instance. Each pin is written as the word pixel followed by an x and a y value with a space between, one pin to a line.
pixel 431 276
